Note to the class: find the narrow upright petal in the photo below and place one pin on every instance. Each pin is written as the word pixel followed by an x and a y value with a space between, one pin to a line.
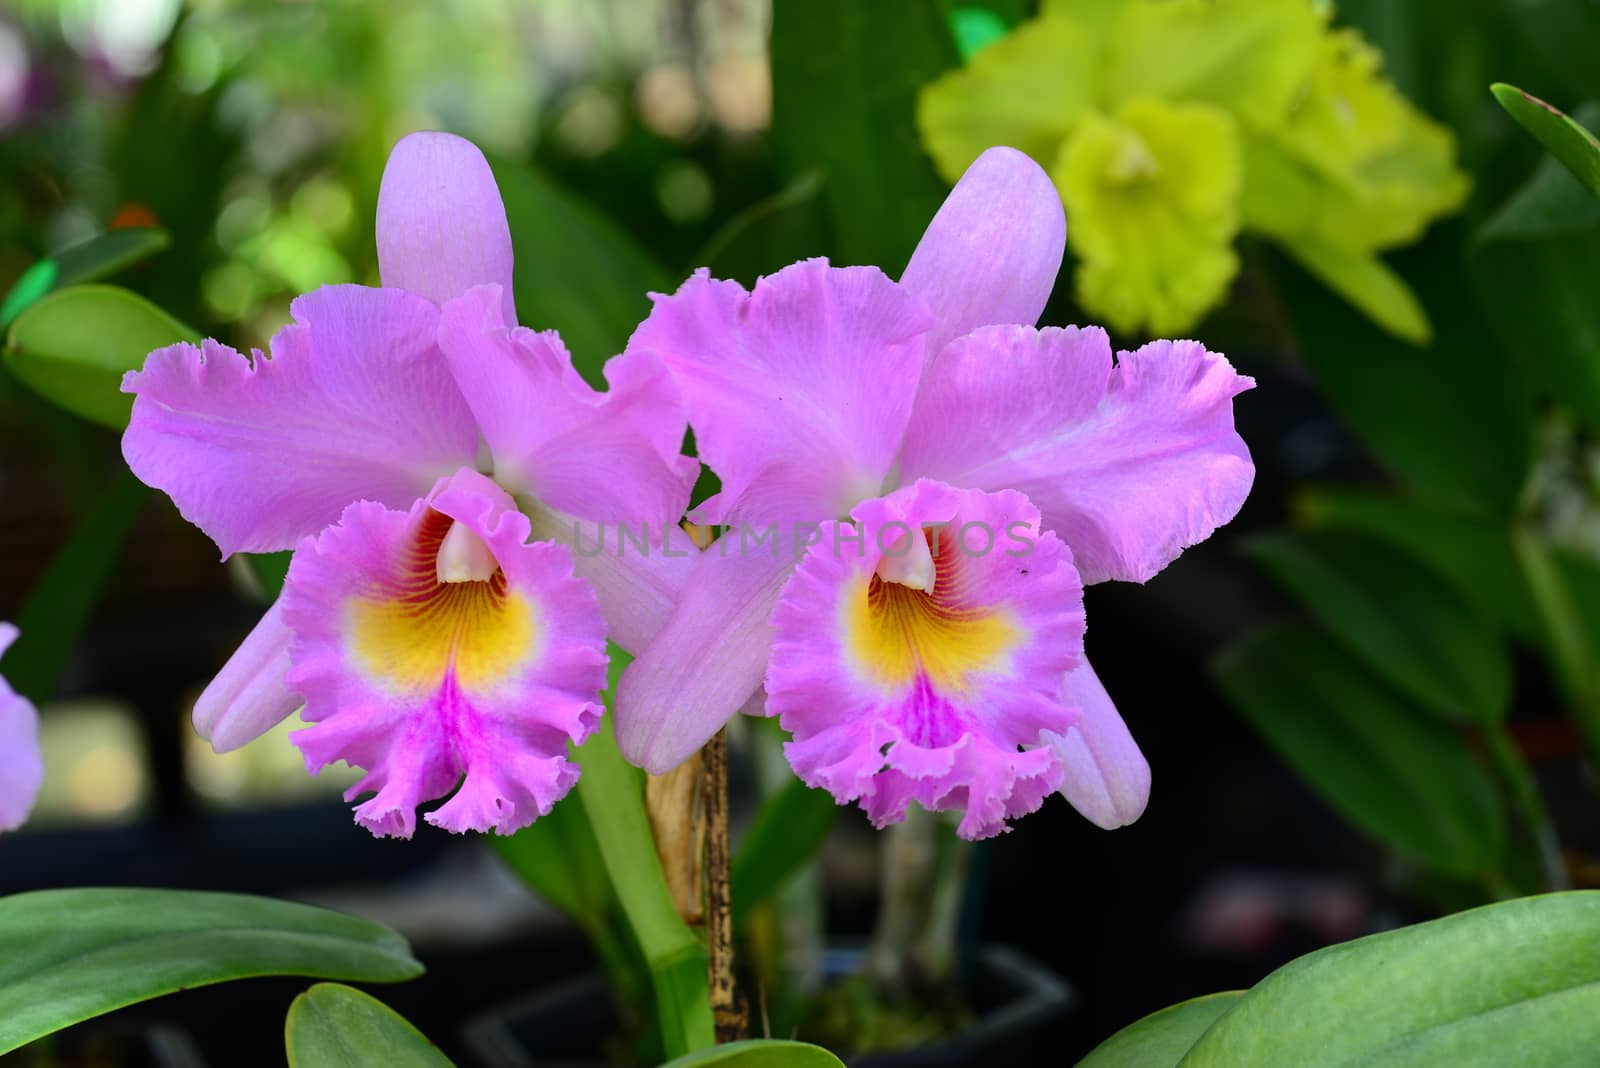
pixel 896 694
pixel 709 658
pixel 356 403
pixel 992 252
pixel 798 392
pixel 613 457
pixel 1107 777
pixel 441 224
pixel 426 684
pixel 249 695
pixel 1128 464
pixel 21 766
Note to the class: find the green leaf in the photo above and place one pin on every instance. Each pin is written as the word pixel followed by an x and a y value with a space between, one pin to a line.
pixel 99 257
pixel 68 955
pixel 334 1026
pixel 1454 419
pixel 74 346
pixel 1366 282
pixel 34 283
pixel 613 797
pixel 106 254
pixel 786 833
pixel 769 234
pixel 759 1053
pixel 577 271
pixel 1161 1039
pixel 559 859
pixel 1395 772
pixel 1474 556
pixel 1403 622
pixel 1567 141
pixel 1516 982
pixel 61 601
pixel 1534 264
pixel 845 78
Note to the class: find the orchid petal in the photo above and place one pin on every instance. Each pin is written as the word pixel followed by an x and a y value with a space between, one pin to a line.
pixel 612 457
pixel 638 583
pixel 1129 464
pixel 249 696
pixel 1107 777
pixel 798 392
pixel 441 224
pixel 356 403
pixel 992 252
pixel 708 659
pixel 21 766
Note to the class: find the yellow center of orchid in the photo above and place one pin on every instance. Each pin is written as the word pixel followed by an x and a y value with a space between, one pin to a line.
pixel 897 631
pixel 427 625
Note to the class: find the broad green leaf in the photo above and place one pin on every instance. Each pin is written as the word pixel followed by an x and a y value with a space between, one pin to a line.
pixel 1395 772
pixel 1454 418
pixel 1516 982
pixel 1161 1039
pixel 68 955
pixel 74 346
pixel 61 601
pixel 577 271
pixel 1366 282
pixel 768 235
pixel 1474 556
pixel 106 254
pixel 786 833
pixel 1535 262
pixel 613 797
pixel 1567 141
pixel 99 257
pixel 759 1053
pixel 1404 623
pixel 335 1026
pixel 845 78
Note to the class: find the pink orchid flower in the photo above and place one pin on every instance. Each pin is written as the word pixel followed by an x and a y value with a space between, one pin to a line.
pixel 855 419
pixel 408 442
pixel 21 767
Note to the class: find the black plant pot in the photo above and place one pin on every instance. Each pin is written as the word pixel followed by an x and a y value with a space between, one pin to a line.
pixel 1019 1005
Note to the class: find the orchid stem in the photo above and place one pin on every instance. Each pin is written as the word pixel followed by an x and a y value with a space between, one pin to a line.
pixel 727 1008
